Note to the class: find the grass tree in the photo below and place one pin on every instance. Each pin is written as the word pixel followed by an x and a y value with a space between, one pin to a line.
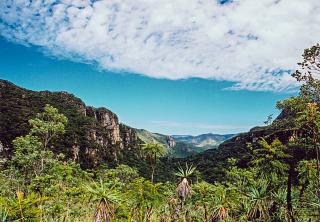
pixel 153 151
pixel 183 188
pixel 260 202
pixel 4 215
pixel 107 197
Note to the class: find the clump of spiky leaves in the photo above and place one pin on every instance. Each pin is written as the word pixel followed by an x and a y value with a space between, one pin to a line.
pixel 183 189
pixel 260 203
pixel 185 172
pixel 107 198
pixel 3 215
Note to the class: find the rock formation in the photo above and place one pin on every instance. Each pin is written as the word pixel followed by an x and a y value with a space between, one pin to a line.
pixel 93 136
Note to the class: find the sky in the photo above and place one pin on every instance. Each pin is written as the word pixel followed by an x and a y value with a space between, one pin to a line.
pixel 173 67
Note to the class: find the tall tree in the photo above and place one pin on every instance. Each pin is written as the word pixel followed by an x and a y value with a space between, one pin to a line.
pixel 153 151
pixel 48 125
pixel 32 148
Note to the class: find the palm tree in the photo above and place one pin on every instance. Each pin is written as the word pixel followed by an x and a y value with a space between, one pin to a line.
pixel 107 198
pixel 153 151
pixel 183 189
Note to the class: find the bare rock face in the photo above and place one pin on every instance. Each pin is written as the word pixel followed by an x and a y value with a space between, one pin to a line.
pixel 170 141
pixel 129 137
pixel 1 149
pixel 109 121
pixel 93 135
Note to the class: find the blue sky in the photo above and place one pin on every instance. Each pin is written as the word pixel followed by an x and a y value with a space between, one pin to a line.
pixel 191 106
pixel 174 67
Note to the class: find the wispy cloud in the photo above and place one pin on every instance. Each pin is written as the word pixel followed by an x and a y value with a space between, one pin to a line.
pixel 180 127
pixel 254 44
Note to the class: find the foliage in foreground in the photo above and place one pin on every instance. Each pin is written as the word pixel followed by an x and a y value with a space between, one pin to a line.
pixel 280 183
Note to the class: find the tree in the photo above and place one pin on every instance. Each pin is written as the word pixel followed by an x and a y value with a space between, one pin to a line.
pixel 143 198
pixel 273 161
pixel 309 120
pixel 47 125
pixel 309 69
pixel 270 158
pixel 310 91
pixel 268 121
pixel 107 198
pixel 28 154
pixel 32 148
pixel 183 189
pixel 153 151
pixel 203 195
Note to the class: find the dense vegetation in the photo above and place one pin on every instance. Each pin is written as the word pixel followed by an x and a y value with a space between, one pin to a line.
pixel 273 177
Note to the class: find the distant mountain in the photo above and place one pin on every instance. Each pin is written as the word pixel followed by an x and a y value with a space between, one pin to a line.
pixel 175 149
pixel 149 137
pixel 181 146
pixel 204 141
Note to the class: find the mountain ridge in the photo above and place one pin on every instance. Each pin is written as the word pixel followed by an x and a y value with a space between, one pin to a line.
pixel 181 146
pixel 93 135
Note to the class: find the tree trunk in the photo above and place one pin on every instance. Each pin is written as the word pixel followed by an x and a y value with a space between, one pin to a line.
pixel 205 212
pixel 303 188
pixel 318 174
pixel 152 173
pixel 177 211
pixel 103 213
pixel 289 194
pixel 318 170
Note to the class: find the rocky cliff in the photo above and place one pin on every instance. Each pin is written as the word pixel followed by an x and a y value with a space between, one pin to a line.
pixel 93 136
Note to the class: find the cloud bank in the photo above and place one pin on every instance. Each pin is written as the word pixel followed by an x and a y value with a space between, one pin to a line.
pixel 252 43
pixel 181 126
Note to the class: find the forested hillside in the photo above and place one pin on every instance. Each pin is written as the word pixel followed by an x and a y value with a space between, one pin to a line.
pixel 63 161
pixel 92 135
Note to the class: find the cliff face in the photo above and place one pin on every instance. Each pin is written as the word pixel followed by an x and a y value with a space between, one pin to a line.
pixel 170 141
pixel 93 135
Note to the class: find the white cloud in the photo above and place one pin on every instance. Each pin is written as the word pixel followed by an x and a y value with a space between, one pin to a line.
pixel 247 42
pixel 198 127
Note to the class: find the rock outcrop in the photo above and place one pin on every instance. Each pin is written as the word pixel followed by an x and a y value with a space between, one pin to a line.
pixel 170 141
pixel 93 136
